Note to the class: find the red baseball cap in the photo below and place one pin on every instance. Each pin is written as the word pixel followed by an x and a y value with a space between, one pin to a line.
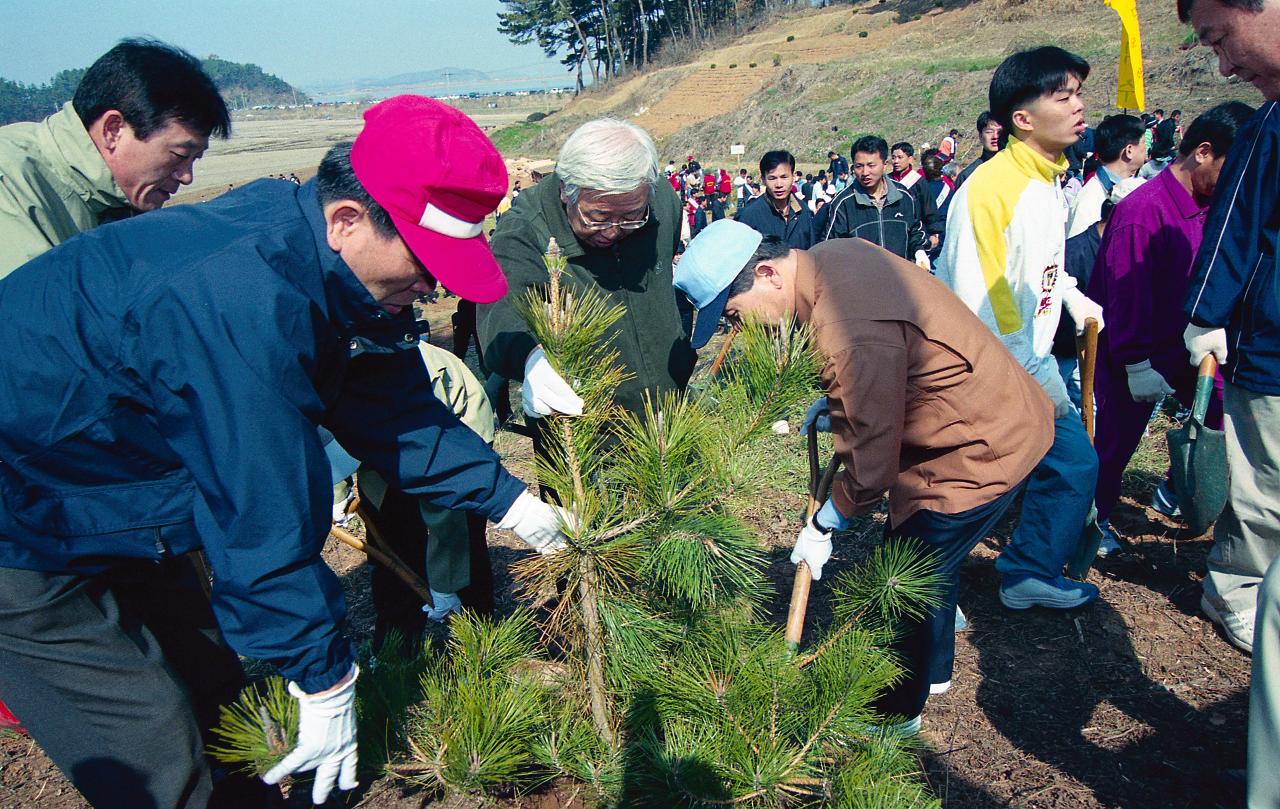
pixel 436 173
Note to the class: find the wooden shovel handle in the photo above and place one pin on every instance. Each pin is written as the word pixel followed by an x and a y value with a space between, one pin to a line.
pixel 387 558
pixel 819 490
pixel 1088 365
pixel 724 352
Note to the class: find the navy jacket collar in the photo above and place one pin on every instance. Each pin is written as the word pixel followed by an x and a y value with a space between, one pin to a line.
pixel 350 305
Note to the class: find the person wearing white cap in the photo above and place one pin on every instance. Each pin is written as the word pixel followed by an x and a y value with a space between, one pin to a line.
pixel 923 401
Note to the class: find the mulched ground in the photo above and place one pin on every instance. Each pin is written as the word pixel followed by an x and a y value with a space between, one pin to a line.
pixel 1135 701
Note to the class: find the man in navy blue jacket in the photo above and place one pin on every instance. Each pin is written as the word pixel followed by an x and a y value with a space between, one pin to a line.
pixel 1233 302
pixel 777 212
pixel 174 371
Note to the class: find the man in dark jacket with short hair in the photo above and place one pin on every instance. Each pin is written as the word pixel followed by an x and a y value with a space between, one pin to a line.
pixel 876 208
pixel 777 212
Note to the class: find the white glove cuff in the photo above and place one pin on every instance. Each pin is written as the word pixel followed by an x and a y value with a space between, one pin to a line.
pixel 518 509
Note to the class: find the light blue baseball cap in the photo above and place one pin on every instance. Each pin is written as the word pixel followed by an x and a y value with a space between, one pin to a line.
pixel 707 268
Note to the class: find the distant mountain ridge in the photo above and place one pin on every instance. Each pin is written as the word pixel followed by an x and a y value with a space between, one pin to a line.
pixel 242 85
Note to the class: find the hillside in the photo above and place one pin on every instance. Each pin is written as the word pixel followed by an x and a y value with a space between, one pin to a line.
pixel 906 69
pixel 242 85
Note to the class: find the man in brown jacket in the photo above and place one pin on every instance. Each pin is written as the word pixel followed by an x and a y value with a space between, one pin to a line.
pixel 925 403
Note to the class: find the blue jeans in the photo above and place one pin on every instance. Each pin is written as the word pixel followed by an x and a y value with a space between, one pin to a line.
pixel 1069 369
pixel 928 646
pixel 1059 495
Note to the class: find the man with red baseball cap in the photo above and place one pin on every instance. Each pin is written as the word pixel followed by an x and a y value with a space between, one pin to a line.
pixel 219 338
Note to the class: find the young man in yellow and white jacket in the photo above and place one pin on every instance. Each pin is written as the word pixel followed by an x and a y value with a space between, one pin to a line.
pixel 1006 238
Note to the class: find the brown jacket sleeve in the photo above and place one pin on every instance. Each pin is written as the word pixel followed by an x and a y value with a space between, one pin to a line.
pixel 867 394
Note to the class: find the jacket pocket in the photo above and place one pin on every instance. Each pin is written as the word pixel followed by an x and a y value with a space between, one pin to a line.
pixel 68 512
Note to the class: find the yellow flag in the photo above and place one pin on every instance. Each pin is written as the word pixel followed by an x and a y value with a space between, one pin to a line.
pixel 1129 91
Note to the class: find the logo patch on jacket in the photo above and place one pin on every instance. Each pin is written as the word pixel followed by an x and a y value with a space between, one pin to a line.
pixel 1047 279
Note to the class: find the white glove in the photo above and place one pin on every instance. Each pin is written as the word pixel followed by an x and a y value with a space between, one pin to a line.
pixel 544 391
pixel 539 524
pixel 444 603
pixel 922 261
pixel 326 738
pixel 813 547
pixel 1202 342
pixel 1145 383
pixel 1081 309
pixel 1057 390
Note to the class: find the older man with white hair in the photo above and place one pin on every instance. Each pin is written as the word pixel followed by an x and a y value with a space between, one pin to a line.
pixel 619 228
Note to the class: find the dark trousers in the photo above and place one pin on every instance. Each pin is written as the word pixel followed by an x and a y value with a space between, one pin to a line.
pixel 928 646
pixel 399 522
pixel 115 675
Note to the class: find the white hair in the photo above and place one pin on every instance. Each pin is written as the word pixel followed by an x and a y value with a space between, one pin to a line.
pixel 607 155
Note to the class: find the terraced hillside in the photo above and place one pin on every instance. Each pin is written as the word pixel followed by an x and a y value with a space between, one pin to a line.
pixel 907 69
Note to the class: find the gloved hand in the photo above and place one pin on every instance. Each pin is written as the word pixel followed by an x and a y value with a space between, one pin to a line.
pixel 1057 390
pixel 326 738
pixel 1201 342
pixel 544 391
pixel 443 604
pixel 1145 383
pixel 819 415
pixel 1081 309
pixel 813 547
pixel 537 523
pixel 922 261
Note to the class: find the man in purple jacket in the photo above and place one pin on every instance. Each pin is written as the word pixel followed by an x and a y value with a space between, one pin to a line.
pixel 1140 279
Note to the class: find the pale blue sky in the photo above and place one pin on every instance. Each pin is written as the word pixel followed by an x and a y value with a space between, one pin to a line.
pixel 304 42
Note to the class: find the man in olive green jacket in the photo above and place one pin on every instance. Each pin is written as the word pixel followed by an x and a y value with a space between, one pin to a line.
pixel 619 228
pixel 141 117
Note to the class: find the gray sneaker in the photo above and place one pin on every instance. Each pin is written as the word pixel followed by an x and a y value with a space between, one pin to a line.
pixel 1024 592
pixel 1165 500
pixel 1237 626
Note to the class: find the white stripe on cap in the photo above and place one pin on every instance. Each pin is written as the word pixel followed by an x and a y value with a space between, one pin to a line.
pixel 442 221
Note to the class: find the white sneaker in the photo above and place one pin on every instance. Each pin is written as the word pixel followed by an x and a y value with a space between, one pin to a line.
pixel 939 688
pixel 1237 626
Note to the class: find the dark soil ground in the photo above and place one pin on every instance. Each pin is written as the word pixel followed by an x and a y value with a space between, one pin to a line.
pixel 1136 701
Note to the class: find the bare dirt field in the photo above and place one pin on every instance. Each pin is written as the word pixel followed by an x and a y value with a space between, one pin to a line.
pixel 267 143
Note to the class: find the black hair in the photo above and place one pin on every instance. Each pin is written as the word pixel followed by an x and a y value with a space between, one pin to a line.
pixel 907 148
pixel 1028 75
pixel 984 119
pixel 1216 127
pixel 931 163
pixel 1175 113
pixel 1255 6
pixel 152 84
pixel 771 160
pixel 1158 111
pixel 955 133
pixel 870 144
pixel 337 180
pixel 771 248
pixel 1114 133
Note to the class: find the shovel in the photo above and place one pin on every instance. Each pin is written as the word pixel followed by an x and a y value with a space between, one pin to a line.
pixel 1086 551
pixel 818 493
pixel 1198 459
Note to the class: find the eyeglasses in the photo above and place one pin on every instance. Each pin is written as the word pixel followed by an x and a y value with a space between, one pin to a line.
pixel 590 224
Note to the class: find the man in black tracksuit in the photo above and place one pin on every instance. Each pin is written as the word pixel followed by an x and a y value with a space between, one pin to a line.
pixel 876 208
